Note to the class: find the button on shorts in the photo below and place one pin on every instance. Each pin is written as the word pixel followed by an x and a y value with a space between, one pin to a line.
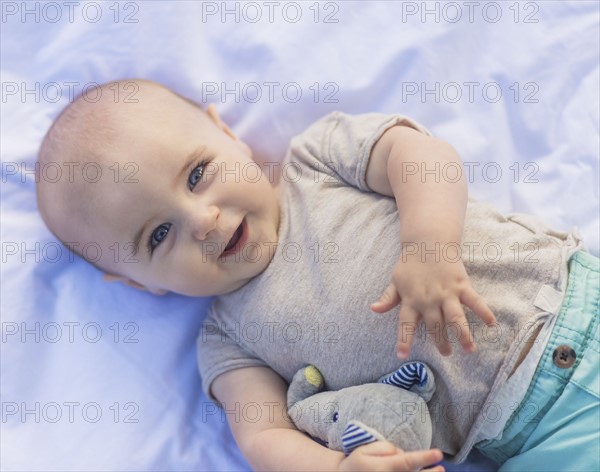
pixel 557 425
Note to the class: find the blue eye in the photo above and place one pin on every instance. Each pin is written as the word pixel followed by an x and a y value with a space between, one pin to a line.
pixel 160 233
pixel 336 417
pixel 157 236
pixel 196 175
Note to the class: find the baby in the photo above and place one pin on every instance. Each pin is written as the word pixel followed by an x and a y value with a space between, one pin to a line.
pixel 309 260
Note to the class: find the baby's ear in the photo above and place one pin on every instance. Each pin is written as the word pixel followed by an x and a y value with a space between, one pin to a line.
pixel 214 116
pixel 133 283
pixel 211 111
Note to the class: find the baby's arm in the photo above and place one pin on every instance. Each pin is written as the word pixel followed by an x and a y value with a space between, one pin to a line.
pixel 273 443
pixel 426 177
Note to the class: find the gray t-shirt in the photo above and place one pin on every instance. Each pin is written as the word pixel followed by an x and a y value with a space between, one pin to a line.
pixel 338 243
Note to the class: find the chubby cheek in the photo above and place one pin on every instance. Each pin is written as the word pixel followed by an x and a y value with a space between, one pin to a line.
pixel 191 275
pixel 249 187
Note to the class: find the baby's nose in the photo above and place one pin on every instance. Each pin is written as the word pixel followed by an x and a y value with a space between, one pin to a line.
pixel 203 221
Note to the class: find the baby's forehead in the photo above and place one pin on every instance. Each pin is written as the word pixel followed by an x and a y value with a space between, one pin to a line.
pixel 108 128
pixel 108 132
pixel 114 103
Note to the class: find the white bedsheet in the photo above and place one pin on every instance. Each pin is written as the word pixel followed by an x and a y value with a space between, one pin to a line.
pixel 98 376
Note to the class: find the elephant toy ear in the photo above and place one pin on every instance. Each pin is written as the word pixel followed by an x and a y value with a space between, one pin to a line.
pixel 307 381
pixel 358 434
pixel 414 376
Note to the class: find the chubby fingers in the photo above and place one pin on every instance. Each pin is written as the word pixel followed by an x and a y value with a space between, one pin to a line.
pixel 378 448
pixel 434 322
pixel 396 459
pixel 436 329
pixel 455 318
pixel 437 468
pixel 476 303
pixel 407 327
pixel 416 460
pixel 388 300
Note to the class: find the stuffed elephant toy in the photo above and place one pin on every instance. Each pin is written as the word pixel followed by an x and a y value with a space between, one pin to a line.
pixel 393 409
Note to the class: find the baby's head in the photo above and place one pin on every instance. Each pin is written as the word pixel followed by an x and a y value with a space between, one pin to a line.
pixel 154 188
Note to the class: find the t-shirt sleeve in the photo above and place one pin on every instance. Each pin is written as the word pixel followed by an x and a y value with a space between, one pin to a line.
pixel 218 352
pixel 340 144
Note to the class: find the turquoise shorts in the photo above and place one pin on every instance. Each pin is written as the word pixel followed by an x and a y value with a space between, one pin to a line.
pixel 557 425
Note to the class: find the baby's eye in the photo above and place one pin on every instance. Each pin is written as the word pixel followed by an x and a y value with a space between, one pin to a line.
pixel 158 235
pixel 195 175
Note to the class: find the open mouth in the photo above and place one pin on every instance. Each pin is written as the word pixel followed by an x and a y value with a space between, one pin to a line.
pixel 237 240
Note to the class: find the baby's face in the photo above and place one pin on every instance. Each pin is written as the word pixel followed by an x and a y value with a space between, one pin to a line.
pixel 184 186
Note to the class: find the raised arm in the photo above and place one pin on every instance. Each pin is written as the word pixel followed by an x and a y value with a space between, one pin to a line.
pixel 273 443
pixel 426 177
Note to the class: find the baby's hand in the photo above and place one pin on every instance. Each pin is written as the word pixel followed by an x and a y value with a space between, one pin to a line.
pixel 384 456
pixel 433 291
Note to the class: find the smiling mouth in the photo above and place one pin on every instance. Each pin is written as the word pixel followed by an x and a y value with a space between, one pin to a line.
pixel 235 238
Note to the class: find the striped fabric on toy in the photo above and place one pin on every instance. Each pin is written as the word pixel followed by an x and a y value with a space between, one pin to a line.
pixel 407 375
